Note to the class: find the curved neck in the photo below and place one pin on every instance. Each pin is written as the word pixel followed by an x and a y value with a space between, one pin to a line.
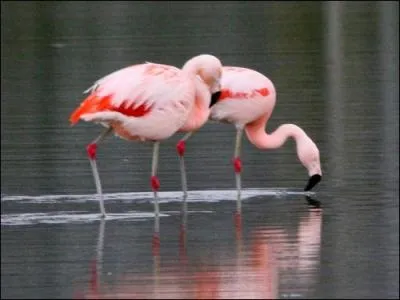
pixel 200 111
pixel 191 66
pixel 256 134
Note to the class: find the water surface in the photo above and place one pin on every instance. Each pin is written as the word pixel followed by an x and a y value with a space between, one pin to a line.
pixel 335 68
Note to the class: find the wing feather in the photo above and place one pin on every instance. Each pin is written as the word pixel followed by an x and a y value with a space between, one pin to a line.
pixel 134 91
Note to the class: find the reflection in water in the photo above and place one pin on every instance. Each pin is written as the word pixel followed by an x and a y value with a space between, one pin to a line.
pixel 97 263
pixel 299 261
pixel 313 202
pixel 336 65
pixel 273 264
pixel 182 232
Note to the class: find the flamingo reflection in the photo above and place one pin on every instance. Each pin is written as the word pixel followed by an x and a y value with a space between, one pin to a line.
pixel 269 264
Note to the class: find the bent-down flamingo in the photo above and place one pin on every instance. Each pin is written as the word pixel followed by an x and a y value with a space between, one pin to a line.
pixel 149 102
pixel 247 99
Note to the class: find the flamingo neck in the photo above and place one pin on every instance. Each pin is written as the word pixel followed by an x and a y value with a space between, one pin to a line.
pixel 256 134
pixel 191 67
pixel 200 111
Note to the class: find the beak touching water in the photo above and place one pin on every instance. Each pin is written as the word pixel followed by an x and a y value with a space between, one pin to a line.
pixel 313 202
pixel 312 181
pixel 214 98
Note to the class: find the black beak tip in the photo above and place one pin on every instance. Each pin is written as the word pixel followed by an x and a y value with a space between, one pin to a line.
pixel 214 98
pixel 312 181
pixel 312 202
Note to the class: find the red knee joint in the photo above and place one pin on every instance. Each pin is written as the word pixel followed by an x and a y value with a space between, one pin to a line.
pixel 155 183
pixel 180 148
pixel 237 164
pixel 91 150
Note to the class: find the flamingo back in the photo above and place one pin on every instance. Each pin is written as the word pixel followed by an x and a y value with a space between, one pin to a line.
pixel 136 90
pixel 246 95
pixel 242 83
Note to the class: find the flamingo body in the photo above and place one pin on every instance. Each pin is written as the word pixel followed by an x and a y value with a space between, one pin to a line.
pixel 146 102
pixel 247 100
pixel 150 101
pixel 245 96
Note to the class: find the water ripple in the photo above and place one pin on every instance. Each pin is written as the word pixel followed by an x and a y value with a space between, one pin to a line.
pixel 62 217
pixel 164 197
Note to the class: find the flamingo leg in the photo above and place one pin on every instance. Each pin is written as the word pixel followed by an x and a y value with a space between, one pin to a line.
pixel 237 164
pixel 91 151
pixel 155 185
pixel 97 263
pixel 180 148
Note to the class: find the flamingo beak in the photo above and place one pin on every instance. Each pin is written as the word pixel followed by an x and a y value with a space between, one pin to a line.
pixel 312 181
pixel 313 202
pixel 214 98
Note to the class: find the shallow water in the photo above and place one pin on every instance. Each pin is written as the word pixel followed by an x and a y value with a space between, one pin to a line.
pixel 335 68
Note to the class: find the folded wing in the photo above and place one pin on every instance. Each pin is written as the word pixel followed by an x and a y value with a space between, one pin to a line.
pixel 135 91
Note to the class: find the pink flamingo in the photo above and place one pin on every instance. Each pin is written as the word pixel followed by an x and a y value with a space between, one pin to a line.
pixel 247 99
pixel 150 102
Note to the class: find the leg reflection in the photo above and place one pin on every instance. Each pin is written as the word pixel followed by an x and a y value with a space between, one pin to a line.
pixel 183 232
pixel 238 225
pixel 239 241
pixel 97 262
pixel 156 236
pixel 156 259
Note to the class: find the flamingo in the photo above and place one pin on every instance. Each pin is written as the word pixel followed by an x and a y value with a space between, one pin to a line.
pixel 246 100
pixel 149 102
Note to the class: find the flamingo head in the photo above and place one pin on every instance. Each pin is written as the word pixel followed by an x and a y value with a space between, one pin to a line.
pixel 309 156
pixel 209 69
pixel 312 181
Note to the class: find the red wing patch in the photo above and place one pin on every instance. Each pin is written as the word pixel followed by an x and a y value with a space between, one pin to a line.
pixel 226 93
pixel 94 103
pixel 139 111
pixel 88 105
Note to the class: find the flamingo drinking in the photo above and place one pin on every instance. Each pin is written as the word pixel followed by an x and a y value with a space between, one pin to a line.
pixel 246 100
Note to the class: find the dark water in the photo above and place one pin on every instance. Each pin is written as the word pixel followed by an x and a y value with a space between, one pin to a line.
pixel 335 68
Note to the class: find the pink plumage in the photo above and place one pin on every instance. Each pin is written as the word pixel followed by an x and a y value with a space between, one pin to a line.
pixel 147 101
pixel 150 102
pixel 247 100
